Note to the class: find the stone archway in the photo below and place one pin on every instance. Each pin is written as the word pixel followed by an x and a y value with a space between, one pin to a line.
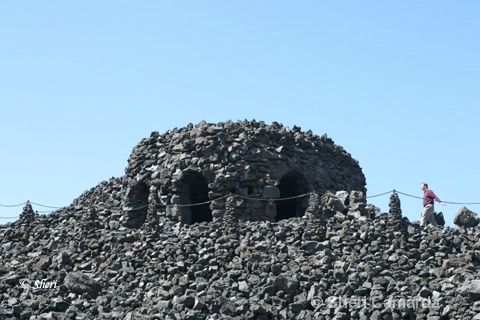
pixel 291 184
pixel 195 190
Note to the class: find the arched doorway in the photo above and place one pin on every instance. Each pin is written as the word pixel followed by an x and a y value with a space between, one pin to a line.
pixel 195 190
pixel 292 184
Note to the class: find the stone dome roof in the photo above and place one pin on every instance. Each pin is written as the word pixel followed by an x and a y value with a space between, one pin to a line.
pixel 183 168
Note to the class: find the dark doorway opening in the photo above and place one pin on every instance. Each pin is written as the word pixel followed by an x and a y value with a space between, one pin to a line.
pixel 196 190
pixel 291 184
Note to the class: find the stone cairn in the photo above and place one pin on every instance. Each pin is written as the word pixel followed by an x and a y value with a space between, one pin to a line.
pixel 340 258
pixel 394 205
pixel 27 215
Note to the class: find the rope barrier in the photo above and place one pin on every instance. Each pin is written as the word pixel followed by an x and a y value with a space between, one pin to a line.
pixel 23 203
pixel 381 194
pixel 13 205
pixel 271 199
pixel 409 195
pixel 44 206
pixel 231 194
pixel 449 202
pixel 192 204
pixel 138 208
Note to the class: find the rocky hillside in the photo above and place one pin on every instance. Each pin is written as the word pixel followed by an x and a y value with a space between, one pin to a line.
pixel 80 263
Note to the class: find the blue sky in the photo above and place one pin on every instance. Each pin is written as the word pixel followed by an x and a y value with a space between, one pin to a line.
pixel 393 82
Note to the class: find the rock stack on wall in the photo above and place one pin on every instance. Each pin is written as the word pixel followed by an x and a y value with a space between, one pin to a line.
pixel 207 162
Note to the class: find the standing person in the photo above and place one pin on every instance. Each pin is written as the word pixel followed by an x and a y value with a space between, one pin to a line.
pixel 428 200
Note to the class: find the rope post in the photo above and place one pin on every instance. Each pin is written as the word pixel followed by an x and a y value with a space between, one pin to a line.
pixel 313 209
pixel 230 224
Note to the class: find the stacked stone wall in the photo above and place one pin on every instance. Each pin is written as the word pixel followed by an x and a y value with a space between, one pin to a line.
pixel 207 162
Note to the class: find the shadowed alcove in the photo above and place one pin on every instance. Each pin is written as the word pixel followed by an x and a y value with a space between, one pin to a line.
pixel 291 184
pixel 195 188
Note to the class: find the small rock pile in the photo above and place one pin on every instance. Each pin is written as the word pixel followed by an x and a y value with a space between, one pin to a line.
pixel 332 263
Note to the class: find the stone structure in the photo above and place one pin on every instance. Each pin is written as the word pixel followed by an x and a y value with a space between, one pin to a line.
pixel 251 160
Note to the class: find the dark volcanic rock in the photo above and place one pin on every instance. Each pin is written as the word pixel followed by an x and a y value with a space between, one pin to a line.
pixel 327 255
pixel 80 283
pixel 439 218
pixel 208 162
pixel 466 218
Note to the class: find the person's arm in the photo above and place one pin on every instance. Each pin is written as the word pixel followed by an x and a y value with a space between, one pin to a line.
pixel 434 196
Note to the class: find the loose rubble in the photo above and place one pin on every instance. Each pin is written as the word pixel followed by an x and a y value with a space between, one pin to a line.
pixel 339 258
pixel 311 267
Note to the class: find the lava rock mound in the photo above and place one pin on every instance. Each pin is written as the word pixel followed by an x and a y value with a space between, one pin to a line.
pixel 137 247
